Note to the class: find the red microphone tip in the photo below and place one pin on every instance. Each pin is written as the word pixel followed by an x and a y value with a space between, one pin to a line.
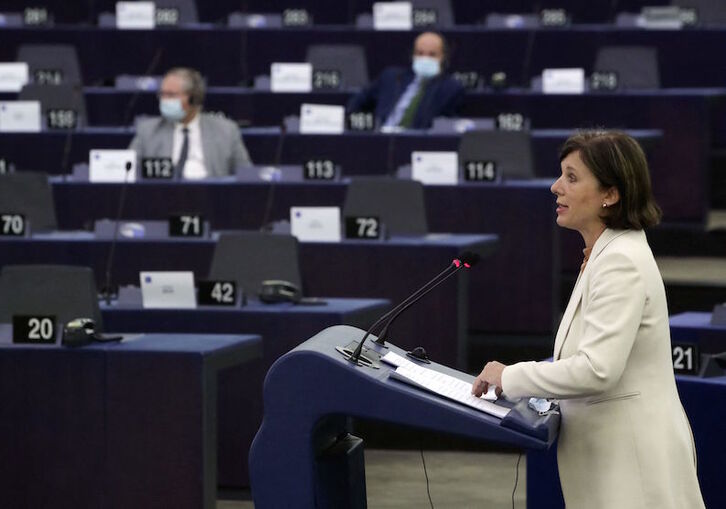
pixel 467 265
pixel 456 262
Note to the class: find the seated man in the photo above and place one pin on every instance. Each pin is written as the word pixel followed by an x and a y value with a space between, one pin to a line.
pixel 200 144
pixel 412 98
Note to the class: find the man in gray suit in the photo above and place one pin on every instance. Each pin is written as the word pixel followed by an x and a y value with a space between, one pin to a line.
pixel 199 144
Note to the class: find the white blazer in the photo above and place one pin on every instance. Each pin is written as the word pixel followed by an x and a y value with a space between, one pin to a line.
pixel 624 440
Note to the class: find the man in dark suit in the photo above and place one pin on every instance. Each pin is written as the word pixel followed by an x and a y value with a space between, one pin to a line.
pixel 199 144
pixel 412 97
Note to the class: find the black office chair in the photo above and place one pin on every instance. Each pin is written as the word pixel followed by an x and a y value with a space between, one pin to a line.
pixel 348 59
pixel 252 257
pixel 710 12
pixel 58 98
pixel 29 193
pixel 399 204
pixel 64 291
pixel 510 150
pixel 51 64
pixel 636 66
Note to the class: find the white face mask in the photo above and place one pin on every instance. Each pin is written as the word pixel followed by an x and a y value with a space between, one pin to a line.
pixel 172 109
pixel 426 67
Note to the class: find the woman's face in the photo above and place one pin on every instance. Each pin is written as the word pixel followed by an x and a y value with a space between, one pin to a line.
pixel 579 196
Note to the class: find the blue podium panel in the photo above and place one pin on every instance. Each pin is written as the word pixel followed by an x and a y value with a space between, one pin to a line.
pixel 391 270
pixel 525 268
pixel 299 424
pixel 695 327
pixel 240 388
pixel 126 424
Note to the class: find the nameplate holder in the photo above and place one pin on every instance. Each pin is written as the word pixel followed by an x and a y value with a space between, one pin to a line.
pixel 319 169
pixel 422 17
pixel 48 76
pixel 510 122
pixel 686 358
pixel 157 168
pixel 13 76
pixel 20 116
pixel 61 119
pixel 326 79
pixel 480 171
pixel 167 17
pixel 291 77
pixel 604 81
pixel 361 121
pixel 563 81
pixel 392 16
pixel 111 166
pixel 322 119
pixel 435 168
pixel 363 228
pixel 34 329
pixel 217 293
pixel 13 225
pixel 135 15
pixel 36 16
pixel 187 225
pixel 315 224
pixel 168 290
pixel 296 18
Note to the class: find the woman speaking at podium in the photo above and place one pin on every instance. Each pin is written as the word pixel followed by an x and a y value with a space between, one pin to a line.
pixel 625 440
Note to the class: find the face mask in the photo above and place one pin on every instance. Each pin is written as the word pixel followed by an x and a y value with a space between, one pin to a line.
pixel 426 67
pixel 171 109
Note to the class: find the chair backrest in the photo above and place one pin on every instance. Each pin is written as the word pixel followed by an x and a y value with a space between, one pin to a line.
pixel 64 291
pixel 637 66
pixel 708 11
pixel 252 257
pixel 51 64
pixel 399 204
pixel 510 150
pixel 57 97
pixel 30 194
pixel 348 59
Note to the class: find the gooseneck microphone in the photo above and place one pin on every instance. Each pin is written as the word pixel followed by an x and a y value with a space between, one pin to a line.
pixel 109 262
pixel 265 226
pixel 465 260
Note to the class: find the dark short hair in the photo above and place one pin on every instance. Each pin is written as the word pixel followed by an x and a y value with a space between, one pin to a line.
pixel 193 83
pixel 617 160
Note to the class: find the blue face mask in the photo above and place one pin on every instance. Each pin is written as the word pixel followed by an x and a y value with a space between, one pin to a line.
pixel 172 109
pixel 426 67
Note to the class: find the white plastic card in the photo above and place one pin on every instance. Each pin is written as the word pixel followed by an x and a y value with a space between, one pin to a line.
pixel 392 16
pixel 165 290
pixel 435 167
pixel 291 77
pixel 13 76
pixel 112 166
pixel 322 119
pixel 563 81
pixel 20 116
pixel 135 15
pixel 315 224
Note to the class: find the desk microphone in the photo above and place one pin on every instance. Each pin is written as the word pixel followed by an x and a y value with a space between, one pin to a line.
pixel 265 226
pixel 465 260
pixel 106 292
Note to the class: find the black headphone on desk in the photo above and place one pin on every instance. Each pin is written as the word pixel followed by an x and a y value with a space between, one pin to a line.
pixel 82 331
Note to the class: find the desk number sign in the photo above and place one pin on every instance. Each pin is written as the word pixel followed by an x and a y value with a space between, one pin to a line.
pixel 319 169
pixel 186 225
pixel 61 119
pixel 480 171
pixel 685 358
pixel 12 225
pixel 363 227
pixel 34 329
pixel 217 293
pixel 157 168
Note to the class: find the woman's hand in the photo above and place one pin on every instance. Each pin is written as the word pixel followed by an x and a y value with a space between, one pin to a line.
pixel 490 375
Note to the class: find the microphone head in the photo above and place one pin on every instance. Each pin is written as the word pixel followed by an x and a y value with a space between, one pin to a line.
pixel 469 259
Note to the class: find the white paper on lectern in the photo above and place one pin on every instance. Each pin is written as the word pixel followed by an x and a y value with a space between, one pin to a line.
pixel 168 290
pixel 435 167
pixel 291 77
pixel 392 16
pixel 135 15
pixel 322 119
pixel 13 76
pixel 20 116
pixel 110 166
pixel 563 81
pixel 315 224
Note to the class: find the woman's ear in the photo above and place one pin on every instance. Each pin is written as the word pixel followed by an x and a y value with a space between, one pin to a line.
pixel 612 196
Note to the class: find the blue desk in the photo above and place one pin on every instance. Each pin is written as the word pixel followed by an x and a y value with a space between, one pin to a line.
pixel 129 424
pixel 693 327
pixel 282 327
